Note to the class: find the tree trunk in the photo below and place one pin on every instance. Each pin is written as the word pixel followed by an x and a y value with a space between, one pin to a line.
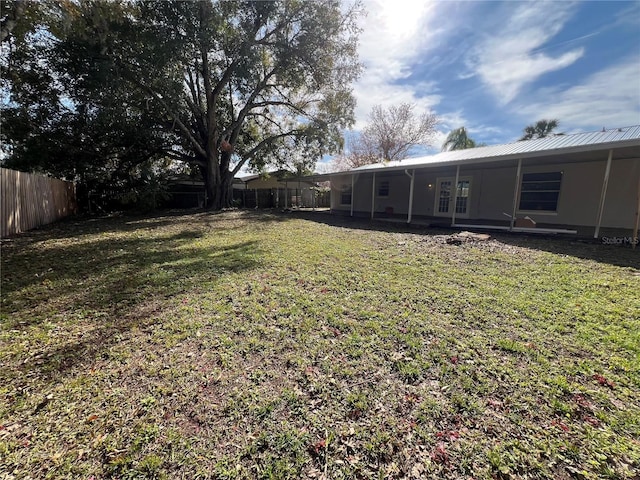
pixel 211 180
pixel 225 192
pixel 217 186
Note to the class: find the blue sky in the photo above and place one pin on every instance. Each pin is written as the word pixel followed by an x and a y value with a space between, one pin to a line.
pixel 495 67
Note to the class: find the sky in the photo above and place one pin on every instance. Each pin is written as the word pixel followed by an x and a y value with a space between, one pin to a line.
pixel 495 67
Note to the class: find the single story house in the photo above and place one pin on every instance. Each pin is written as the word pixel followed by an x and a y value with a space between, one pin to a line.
pixel 278 189
pixel 578 183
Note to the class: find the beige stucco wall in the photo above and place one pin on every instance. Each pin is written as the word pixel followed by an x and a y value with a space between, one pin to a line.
pixel 579 193
pixel 492 190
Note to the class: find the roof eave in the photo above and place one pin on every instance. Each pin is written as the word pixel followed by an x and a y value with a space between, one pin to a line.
pixel 498 158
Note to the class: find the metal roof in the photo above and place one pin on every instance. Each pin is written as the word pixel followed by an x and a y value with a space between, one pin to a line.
pixel 577 142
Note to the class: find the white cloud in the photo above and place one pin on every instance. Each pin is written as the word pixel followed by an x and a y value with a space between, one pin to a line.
pixel 513 58
pixel 608 98
pixel 447 122
pixel 394 34
pixel 451 120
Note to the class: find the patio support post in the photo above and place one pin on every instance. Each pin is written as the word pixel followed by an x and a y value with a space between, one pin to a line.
pixel 352 185
pixel 373 193
pixel 455 196
pixel 634 237
pixel 516 194
pixel 603 194
pixel 412 176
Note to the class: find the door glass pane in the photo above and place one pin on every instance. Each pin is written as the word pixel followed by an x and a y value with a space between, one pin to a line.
pixel 463 196
pixel 445 196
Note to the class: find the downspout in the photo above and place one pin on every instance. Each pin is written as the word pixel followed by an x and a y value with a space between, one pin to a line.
pixel 455 196
pixel 516 194
pixel 412 176
pixel 373 193
pixel 605 184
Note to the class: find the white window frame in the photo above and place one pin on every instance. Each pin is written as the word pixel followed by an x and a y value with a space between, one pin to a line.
pixel 449 213
pixel 550 213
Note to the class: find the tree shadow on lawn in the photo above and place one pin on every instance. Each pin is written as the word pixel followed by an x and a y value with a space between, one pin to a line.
pixel 568 246
pixel 100 289
pixel 80 226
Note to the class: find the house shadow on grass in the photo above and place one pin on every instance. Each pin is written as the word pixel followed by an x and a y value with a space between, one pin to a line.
pixel 583 248
pixel 98 289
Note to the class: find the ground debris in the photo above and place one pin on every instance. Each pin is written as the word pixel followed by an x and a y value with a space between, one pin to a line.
pixel 467 237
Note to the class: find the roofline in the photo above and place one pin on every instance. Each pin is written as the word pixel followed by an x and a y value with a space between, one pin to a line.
pixel 498 158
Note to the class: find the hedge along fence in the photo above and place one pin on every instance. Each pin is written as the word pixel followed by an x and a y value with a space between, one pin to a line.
pixel 29 200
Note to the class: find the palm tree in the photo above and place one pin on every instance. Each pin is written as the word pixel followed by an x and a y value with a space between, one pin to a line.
pixel 458 140
pixel 540 129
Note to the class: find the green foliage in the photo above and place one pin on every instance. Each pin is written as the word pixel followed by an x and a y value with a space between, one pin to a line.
pixel 458 139
pixel 54 120
pixel 540 129
pixel 216 84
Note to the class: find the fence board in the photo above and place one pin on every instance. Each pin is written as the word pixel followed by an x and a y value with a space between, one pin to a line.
pixel 29 200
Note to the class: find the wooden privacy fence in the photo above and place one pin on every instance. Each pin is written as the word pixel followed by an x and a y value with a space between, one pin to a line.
pixel 30 200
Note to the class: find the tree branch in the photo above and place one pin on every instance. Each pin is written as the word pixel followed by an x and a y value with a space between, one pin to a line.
pixel 198 148
pixel 260 146
pixel 183 157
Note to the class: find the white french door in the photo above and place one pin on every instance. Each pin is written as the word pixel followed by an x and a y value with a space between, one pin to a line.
pixel 445 197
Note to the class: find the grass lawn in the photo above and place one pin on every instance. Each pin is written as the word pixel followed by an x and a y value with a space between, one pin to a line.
pixel 255 345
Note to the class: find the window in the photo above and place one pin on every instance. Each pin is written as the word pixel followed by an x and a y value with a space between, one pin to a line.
pixel 540 191
pixel 345 195
pixel 444 197
pixel 463 196
pixel 383 188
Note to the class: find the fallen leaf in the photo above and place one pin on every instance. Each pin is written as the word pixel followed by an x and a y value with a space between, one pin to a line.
pixel 560 425
pixel 440 455
pixel 317 447
pixel 602 380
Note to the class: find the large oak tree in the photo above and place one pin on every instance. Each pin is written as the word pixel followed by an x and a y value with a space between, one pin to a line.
pixel 237 82
pixel 215 84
